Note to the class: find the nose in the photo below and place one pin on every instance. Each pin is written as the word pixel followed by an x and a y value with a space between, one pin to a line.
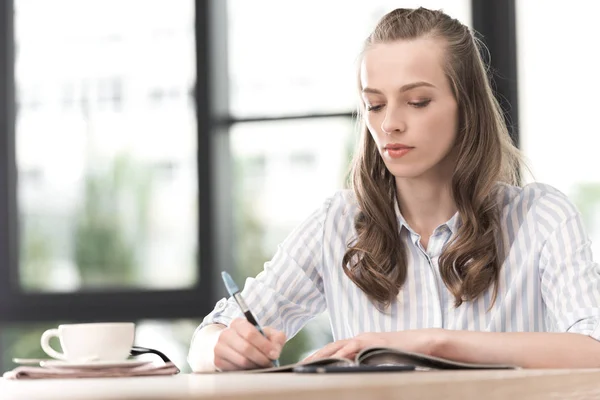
pixel 393 122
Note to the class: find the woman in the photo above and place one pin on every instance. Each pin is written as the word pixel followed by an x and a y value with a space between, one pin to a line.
pixel 435 249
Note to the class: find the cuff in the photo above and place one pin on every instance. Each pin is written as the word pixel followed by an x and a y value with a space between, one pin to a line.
pixel 225 311
pixel 201 356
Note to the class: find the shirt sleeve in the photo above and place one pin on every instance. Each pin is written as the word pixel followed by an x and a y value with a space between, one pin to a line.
pixel 289 291
pixel 570 279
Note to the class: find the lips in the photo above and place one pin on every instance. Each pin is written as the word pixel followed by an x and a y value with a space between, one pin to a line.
pixel 397 150
pixel 397 146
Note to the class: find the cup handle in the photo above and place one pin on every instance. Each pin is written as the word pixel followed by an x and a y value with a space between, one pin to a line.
pixel 45 342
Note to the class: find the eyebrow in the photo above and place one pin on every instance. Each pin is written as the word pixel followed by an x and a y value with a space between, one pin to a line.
pixel 404 88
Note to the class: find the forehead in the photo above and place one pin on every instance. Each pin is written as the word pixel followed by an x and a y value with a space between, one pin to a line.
pixel 388 66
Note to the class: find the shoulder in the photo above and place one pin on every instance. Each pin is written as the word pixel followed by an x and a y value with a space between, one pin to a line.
pixel 332 222
pixel 543 202
pixel 341 204
pixel 338 206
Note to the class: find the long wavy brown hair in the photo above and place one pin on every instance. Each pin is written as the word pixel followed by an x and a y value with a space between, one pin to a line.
pixel 376 260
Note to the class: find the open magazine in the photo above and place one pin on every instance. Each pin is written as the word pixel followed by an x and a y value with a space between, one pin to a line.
pixel 385 356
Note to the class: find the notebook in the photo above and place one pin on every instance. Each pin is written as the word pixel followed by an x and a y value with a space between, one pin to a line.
pixel 381 356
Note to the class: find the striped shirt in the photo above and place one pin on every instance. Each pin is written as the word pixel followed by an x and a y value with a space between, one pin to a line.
pixel 548 279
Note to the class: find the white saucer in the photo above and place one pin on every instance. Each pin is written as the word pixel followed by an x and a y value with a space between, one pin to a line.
pixel 93 364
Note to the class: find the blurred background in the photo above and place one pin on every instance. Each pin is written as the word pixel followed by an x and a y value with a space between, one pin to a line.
pixel 148 145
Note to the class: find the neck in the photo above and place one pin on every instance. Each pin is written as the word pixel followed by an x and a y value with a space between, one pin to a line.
pixel 425 203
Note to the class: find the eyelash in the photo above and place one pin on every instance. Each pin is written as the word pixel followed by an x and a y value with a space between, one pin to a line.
pixel 419 104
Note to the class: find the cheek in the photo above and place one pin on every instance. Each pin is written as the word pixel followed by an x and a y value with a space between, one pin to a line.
pixel 442 127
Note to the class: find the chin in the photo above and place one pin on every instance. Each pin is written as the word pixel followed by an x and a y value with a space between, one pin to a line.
pixel 406 171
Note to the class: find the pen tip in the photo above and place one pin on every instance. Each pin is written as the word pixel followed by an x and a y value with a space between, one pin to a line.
pixel 229 283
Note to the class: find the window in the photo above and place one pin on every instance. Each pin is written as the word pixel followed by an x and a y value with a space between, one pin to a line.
pixel 282 172
pixel 101 214
pixel 289 58
pixel 558 81
pixel 100 217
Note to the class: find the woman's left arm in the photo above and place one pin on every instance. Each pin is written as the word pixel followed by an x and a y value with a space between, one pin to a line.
pixel 570 288
pixel 525 349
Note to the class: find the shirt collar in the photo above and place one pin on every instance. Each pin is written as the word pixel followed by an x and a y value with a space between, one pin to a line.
pixel 453 224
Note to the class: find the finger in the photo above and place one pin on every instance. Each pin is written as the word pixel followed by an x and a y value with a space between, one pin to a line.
pixel 224 365
pixel 250 334
pixel 248 350
pixel 275 336
pixel 328 350
pixel 225 350
pixel 225 355
pixel 349 350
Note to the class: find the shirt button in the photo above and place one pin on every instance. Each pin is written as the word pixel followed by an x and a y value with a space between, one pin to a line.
pixel 221 304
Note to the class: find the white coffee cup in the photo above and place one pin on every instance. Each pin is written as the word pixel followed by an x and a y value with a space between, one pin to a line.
pixel 103 341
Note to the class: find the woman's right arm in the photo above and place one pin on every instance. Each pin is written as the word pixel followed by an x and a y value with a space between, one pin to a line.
pixel 217 347
pixel 283 297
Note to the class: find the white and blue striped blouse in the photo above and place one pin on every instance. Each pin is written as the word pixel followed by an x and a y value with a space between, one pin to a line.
pixel 548 281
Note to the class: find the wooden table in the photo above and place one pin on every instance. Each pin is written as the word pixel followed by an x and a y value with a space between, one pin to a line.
pixel 512 385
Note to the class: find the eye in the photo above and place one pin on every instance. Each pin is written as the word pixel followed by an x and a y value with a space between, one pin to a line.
pixel 371 108
pixel 419 104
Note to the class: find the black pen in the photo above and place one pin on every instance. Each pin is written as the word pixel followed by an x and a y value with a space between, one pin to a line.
pixel 234 291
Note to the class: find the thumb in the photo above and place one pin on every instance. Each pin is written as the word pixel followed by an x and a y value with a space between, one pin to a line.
pixel 275 336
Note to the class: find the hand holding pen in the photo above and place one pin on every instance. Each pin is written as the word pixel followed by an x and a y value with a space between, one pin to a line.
pixel 244 344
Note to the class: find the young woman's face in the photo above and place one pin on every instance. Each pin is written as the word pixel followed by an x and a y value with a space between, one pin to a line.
pixel 409 107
